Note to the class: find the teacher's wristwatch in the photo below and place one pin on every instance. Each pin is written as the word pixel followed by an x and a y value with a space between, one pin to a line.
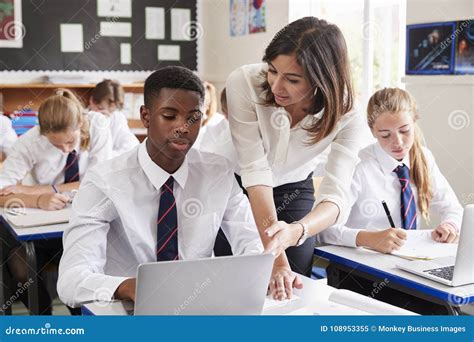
pixel 304 234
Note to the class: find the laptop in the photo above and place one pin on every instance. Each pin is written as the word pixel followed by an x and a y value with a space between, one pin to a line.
pixel 452 271
pixel 233 285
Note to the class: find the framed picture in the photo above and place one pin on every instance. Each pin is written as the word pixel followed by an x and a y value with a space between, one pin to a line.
pixel 464 47
pixel 430 48
pixel 12 29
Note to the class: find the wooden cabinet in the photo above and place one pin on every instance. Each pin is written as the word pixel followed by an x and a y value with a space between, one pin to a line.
pixel 17 97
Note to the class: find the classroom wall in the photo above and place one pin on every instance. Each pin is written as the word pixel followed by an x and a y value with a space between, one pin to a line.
pixel 219 53
pixel 446 103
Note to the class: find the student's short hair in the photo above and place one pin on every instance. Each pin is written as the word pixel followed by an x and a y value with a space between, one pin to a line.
pixel 174 77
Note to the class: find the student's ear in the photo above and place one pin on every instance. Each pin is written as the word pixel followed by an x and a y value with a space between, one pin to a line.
pixel 145 116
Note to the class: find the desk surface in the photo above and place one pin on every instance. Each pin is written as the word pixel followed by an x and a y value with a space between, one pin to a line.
pixel 36 233
pixel 314 300
pixel 384 266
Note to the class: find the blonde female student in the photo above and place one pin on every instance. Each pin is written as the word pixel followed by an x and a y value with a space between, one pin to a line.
pixel 108 98
pixel 56 154
pixel 396 169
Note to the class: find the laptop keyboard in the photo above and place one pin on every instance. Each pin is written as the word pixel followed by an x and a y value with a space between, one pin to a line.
pixel 442 272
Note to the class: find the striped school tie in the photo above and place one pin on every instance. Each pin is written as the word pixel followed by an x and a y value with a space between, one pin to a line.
pixel 71 171
pixel 167 224
pixel 408 207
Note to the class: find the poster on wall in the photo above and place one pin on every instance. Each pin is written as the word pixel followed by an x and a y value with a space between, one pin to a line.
pixel 465 48
pixel 430 48
pixel 257 16
pixel 238 17
pixel 12 30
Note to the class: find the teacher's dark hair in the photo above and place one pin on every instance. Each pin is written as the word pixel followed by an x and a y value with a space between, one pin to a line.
pixel 320 49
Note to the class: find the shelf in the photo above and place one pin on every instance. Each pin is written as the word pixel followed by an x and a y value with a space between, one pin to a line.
pixel 454 80
pixel 58 85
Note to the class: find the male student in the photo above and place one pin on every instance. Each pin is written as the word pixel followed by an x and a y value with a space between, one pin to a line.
pixel 160 201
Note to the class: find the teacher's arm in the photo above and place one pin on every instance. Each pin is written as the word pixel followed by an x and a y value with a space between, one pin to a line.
pixel 256 173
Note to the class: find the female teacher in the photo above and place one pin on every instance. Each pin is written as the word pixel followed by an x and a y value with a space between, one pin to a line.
pixel 283 113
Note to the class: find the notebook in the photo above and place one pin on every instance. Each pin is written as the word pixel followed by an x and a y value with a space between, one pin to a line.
pixel 27 218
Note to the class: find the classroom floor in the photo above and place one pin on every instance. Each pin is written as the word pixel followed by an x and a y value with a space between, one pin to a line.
pixel 59 309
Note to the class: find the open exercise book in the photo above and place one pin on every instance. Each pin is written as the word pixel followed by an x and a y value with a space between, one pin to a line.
pixel 420 245
pixel 29 217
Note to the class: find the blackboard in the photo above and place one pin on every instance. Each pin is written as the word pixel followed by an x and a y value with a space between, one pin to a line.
pixel 42 45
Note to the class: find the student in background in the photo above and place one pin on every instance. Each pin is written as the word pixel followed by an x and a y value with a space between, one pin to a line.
pixel 7 136
pixel 57 154
pixel 401 172
pixel 108 98
pixel 224 108
pixel 160 201
pixel 283 114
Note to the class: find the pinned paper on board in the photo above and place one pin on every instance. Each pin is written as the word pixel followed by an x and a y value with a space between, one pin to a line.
pixel 114 8
pixel 257 16
pixel 125 53
pixel 12 29
pixel 108 29
pixel 72 38
pixel 239 18
pixel 180 24
pixel 154 23
pixel 169 53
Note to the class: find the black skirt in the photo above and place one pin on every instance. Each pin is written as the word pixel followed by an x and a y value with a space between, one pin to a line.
pixel 293 201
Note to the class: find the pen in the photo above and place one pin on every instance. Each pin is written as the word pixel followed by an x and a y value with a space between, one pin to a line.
pixel 388 214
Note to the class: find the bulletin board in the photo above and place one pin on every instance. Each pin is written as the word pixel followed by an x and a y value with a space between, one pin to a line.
pixel 122 35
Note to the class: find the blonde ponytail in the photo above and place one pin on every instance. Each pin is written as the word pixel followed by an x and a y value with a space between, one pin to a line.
pixel 64 111
pixel 394 100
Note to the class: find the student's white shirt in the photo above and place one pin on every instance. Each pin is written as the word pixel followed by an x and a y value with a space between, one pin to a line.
pixel 217 139
pixel 7 134
pixel 374 181
pixel 34 154
pixel 272 154
pixel 123 138
pixel 113 227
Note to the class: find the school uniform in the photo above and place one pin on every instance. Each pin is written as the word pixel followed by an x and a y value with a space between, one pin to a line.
pixel 123 139
pixel 271 153
pixel 7 134
pixel 118 211
pixel 34 154
pixel 376 180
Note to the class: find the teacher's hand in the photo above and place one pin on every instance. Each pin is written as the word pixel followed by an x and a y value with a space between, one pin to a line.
pixel 282 282
pixel 282 235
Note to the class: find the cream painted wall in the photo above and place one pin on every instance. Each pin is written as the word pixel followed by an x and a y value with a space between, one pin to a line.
pixel 446 103
pixel 219 53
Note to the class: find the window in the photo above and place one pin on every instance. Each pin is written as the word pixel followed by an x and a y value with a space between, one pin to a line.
pixel 375 35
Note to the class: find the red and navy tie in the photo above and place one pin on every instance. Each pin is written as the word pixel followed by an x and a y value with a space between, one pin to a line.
pixel 167 237
pixel 71 171
pixel 408 207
